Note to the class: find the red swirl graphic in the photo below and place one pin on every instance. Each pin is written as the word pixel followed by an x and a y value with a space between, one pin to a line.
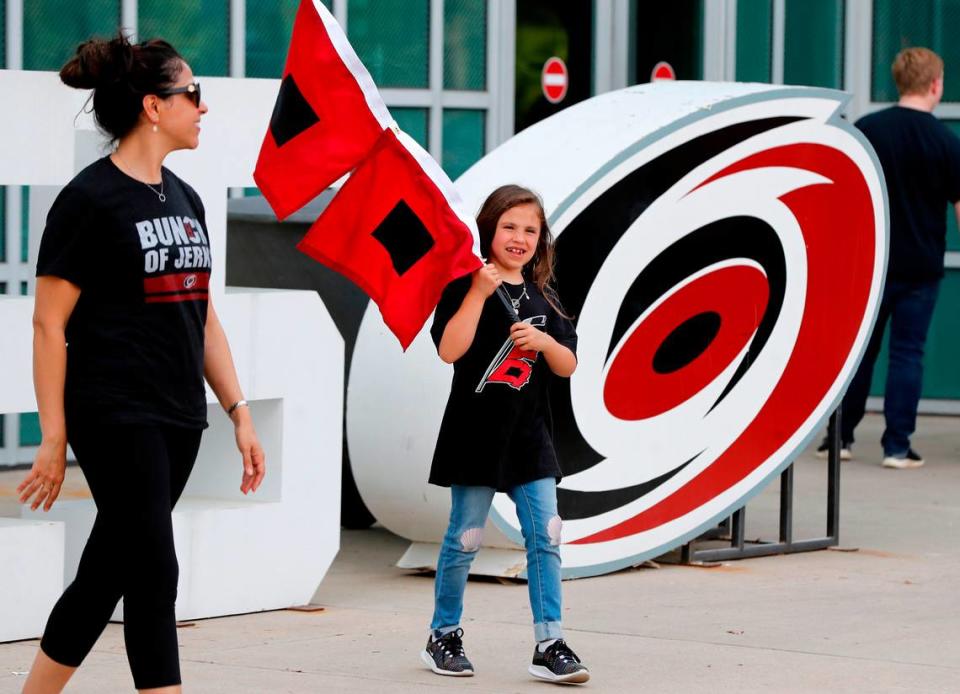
pixel 837 223
pixel 736 295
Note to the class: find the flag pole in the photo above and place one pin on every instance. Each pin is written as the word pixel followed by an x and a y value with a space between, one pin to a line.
pixel 507 304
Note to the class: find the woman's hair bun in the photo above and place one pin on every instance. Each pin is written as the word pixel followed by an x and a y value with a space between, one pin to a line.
pixel 98 62
pixel 120 75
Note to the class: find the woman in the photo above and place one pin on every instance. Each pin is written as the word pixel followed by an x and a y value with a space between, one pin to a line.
pixel 124 334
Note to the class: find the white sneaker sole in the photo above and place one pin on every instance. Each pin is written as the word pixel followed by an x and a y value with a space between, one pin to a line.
pixel 428 661
pixel 901 463
pixel 542 673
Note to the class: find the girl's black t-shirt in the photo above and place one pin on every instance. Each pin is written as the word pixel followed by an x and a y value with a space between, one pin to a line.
pixel 496 429
pixel 135 340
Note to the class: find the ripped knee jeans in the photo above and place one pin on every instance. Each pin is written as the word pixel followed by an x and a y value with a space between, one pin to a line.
pixel 536 504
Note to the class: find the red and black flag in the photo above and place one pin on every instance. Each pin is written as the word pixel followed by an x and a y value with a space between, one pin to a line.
pixel 327 116
pixel 398 229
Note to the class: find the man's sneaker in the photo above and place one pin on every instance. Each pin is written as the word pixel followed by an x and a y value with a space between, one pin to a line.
pixel 823 450
pixel 445 655
pixel 558 664
pixel 911 460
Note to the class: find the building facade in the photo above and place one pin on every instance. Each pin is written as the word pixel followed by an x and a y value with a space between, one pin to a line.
pixel 462 76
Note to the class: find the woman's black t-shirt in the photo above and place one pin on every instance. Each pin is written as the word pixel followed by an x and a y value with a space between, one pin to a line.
pixel 496 427
pixel 135 340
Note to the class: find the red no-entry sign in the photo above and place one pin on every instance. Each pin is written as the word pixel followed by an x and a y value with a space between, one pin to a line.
pixel 554 79
pixel 662 71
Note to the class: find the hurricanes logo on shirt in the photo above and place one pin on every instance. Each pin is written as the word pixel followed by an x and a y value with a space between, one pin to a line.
pixel 512 366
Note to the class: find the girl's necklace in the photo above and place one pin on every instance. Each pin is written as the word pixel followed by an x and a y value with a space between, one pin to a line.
pixel 158 193
pixel 523 295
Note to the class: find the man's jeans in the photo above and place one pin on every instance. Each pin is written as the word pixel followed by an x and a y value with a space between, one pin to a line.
pixel 536 504
pixel 909 307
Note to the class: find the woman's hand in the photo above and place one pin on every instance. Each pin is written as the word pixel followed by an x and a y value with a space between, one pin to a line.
pixel 486 280
pixel 527 337
pixel 222 377
pixel 46 476
pixel 254 461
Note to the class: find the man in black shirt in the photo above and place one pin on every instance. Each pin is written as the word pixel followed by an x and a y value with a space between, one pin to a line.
pixel 920 158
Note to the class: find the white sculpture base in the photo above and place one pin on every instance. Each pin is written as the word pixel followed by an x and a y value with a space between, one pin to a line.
pixel 31 554
pixel 237 554
pixel 271 549
pixel 490 561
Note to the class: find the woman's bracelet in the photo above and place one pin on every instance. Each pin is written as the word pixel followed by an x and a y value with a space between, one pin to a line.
pixel 234 406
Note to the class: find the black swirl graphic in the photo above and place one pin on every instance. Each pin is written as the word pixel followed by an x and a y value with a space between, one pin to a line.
pixel 733 237
pixel 585 244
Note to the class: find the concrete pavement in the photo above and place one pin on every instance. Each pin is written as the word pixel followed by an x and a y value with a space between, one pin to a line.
pixel 883 618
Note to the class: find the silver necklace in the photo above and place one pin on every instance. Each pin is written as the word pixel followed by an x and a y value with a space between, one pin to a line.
pixel 158 193
pixel 523 295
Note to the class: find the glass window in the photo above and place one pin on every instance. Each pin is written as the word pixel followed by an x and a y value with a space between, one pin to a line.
pixel 3 288
pixel 414 122
pixel 754 40
pixel 953 236
pixel 30 429
pixel 941 377
pixel 3 224
pixel 928 23
pixel 463 139
pixel 546 29
pixel 669 31
pixel 24 288
pixel 198 30
pixel 52 29
pixel 392 38
pixel 813 43
pixel 465 44
pixel 269 25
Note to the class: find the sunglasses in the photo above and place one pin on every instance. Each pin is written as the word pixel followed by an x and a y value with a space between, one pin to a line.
pixel 191 91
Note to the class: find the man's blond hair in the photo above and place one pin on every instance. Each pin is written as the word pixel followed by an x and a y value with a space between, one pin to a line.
pixel 915 69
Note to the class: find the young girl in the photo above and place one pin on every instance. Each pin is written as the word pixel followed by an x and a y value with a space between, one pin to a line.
pixel 123 337
pixel 494 435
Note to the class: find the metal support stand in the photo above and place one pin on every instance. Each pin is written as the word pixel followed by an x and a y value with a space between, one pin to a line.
pixel 733 528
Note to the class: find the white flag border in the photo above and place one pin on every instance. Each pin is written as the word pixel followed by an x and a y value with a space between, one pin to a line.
pixel 443 183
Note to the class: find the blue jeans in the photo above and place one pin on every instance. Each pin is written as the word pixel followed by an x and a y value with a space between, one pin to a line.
pixel 536 504
pixel 909 308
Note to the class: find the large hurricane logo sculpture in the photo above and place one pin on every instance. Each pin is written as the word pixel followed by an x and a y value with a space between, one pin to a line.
pixel 724 271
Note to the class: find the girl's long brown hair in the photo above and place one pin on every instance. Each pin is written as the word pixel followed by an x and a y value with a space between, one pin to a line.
pixel 540 269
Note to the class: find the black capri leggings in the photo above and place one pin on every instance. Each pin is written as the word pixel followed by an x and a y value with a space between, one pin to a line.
pixel 136 473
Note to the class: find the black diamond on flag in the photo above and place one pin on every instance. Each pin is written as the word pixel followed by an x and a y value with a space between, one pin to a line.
pixel 404 236
pixel 291 114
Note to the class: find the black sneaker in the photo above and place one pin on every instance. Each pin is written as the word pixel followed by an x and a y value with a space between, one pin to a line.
pixel 823 450
pixel 445 655
pixel 558 664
